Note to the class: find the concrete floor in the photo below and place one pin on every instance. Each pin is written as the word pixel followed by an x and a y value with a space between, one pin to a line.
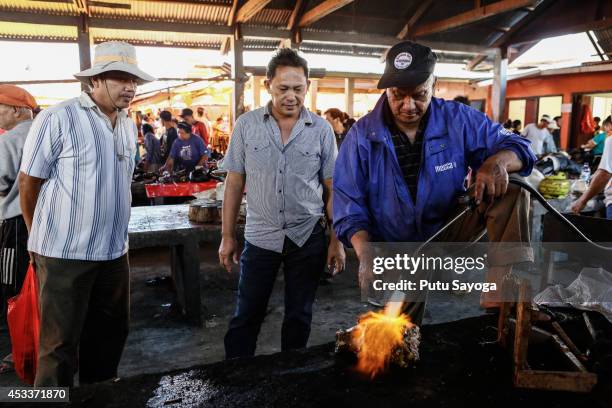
pixel 160 341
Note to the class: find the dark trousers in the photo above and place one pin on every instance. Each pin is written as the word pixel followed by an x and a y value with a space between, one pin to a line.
pixel 302 269
pixel 14 258
pixel 84 312
pixel 506 221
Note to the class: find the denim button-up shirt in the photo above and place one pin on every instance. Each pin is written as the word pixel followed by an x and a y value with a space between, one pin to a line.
pixel 284 182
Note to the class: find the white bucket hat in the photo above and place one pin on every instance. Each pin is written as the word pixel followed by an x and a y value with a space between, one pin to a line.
pixel 114 56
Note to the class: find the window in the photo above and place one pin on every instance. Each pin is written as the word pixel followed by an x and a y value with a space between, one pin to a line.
pixel 516 110
pixel 549 105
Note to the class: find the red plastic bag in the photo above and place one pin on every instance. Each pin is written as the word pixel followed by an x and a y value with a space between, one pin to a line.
pixel 587 124
pixel 24 325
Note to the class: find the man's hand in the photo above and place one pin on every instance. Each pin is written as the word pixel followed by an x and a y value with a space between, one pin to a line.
pixel 366 275
pixel 491 179
pixel 361 242
pixel 228 253
pixel 578 205
pixel 336 257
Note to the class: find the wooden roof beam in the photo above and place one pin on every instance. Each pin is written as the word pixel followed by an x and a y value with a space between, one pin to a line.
pixel 540 6
pixel 249 9
pixel 231 20
pixel 516 51
pixel 475 62
pixel 292 25
pixel 225 46
pixel 414 19
pixel 472 16
pixel 295 15
pixel 318 12
pixel 82 6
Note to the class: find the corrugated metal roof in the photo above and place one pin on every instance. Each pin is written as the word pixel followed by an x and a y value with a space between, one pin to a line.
pixel 369 17
pixel 604 38
pixel 315 48
pixel 166 11
pixel 158 38
pixel 37 32
pixel 65 8
pixel 383 17
pixel 271 17
pixel 252 44
pixel 318 48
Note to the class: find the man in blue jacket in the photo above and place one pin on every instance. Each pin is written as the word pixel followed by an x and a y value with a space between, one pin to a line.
pixel 402 166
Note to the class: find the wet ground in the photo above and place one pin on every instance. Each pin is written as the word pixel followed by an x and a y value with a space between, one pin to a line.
pixel 460 366
pixel 168 362
pixel 161 341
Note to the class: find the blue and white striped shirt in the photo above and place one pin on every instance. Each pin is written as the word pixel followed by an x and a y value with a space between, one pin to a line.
pixel 83 208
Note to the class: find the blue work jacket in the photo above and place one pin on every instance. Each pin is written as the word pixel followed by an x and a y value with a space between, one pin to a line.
pixel 370 192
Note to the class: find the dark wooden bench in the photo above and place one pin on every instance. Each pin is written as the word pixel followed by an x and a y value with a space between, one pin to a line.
pixel 168 226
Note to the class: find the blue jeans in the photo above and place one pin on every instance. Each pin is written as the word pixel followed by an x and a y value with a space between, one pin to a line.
pixel 302 269
pixel 609 212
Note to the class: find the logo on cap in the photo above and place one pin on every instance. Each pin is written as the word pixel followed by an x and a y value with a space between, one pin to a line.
pixel 402 60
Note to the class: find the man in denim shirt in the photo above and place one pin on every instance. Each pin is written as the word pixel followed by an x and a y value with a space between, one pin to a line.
pixel 284 156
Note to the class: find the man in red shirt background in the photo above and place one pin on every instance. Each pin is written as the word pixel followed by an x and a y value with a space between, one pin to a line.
pixel 197 127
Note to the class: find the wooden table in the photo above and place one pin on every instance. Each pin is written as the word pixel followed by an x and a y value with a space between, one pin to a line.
pixel 169 226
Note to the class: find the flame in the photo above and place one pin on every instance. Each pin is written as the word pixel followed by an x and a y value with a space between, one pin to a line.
pixel 378 334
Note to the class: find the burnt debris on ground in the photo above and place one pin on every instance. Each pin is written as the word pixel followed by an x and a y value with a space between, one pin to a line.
pixel 460 366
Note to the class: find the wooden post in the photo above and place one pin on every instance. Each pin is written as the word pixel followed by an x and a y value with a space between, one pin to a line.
pixel 185 267
pixel 256 92
pixel 509 291
pixel 523 326
pixel 84 42
pixel 238 76
pixel 349 86
pixel 498 94
pixel 314 89
pixel 566 121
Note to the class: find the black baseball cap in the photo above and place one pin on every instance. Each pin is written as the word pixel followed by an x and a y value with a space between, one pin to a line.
pixel 186 112
pixel 408 64
pixel 185 126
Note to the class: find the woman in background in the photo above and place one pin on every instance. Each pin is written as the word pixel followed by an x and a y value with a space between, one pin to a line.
pixel 340 122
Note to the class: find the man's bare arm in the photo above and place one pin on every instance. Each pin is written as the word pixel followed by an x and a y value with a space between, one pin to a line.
pixel 361 243
pixel 329 206
pixel 234 188
pixel 598 183
pixel 29 189
pixel 336 257
pixel 169 166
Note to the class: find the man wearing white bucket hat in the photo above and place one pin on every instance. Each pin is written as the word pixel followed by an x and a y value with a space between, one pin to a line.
pixel 75 180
